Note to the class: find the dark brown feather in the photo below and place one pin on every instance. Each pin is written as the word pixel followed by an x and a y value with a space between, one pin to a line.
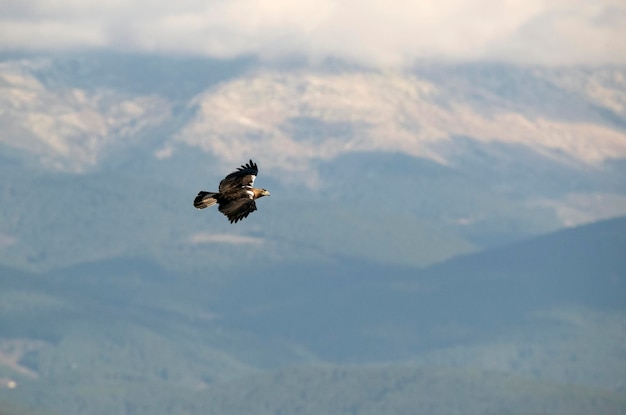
pixel 237 209
pixel 244 176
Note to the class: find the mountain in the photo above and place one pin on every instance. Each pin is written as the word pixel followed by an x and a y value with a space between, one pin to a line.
pixel 485 153
pixel 539 325
pixel 402 389
pixel 424 240
pixel 454 301
pixel 115 98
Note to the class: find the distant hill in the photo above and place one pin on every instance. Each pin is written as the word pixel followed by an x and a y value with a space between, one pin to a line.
pixel 583 265
pixel 391 389
pixel 360 310
pixel 538 325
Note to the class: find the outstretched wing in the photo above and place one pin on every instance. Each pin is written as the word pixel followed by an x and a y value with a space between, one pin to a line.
pixel 237 209
pixel 243 177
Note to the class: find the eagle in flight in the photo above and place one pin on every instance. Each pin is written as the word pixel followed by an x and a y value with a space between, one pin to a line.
pixel 236 195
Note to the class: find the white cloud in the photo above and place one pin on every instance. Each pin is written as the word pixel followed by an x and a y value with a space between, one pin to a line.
pixel 373 32
pixel 223 238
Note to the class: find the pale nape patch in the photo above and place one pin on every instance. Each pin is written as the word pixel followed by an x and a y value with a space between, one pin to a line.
pixel 223 238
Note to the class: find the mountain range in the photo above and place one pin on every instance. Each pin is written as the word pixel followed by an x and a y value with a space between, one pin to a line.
pixel 541 318
pixel 478 154
pixel 448 237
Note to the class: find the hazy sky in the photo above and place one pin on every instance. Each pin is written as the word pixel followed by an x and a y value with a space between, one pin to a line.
pixel 372 32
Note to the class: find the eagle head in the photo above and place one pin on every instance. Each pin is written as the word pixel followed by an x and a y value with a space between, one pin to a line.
pixel 260 193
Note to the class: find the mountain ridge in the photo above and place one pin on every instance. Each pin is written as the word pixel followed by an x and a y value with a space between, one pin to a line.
pixel 72 123
pixel 135 326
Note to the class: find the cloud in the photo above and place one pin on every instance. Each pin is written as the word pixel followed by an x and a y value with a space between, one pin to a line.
pixel 378 33
pixel 223 238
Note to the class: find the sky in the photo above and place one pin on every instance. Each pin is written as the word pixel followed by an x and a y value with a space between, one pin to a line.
pixel 376 33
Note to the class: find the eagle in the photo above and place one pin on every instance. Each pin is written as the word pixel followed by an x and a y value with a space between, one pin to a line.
pixel 236 195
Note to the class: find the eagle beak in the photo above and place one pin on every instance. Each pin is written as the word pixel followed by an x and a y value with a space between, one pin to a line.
pixel 266 193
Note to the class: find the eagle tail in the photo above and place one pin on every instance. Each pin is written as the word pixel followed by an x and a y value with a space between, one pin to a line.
pixel 204 200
